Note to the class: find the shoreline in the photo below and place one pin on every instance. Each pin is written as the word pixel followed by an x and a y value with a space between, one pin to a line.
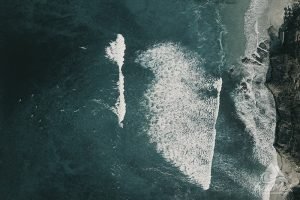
pixel 287 176
pixel 248 94
pixel 256 19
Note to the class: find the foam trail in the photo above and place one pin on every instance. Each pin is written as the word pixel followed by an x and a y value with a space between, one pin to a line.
pixel 257 34
pixel 182 105
pixel 116 52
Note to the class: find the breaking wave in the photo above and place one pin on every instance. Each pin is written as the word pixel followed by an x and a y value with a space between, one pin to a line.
pixel 116 52
pixel 183 103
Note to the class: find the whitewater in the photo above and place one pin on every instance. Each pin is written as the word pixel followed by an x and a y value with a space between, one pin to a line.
pixel 183 103
pixel 255 106
pixel 116 52
pixel 182 108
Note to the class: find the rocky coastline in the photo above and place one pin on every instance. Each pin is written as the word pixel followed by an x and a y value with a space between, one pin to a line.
pixel 283 80
pixel 282 52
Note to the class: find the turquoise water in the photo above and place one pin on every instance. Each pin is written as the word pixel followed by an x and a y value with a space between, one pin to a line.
pixel 59 137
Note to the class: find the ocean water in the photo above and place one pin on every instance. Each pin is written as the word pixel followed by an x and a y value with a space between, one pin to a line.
pixel 134 99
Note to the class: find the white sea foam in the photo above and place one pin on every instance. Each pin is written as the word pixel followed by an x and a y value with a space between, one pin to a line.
pixel 183 104
pixel 116 52
pixel 259 185
pixel 255 106
pixel 256 25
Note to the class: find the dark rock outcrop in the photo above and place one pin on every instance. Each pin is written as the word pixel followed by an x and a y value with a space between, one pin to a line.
pixel 284 82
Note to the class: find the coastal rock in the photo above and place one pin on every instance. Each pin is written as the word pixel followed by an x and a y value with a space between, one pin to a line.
pixel 283 80
pixel 259 56
pixel 284 84
pixel 247 60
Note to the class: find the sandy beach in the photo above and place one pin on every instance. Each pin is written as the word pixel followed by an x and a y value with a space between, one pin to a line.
pixel 275 12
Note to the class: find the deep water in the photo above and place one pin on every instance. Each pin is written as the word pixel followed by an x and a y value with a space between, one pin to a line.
pixel 59 138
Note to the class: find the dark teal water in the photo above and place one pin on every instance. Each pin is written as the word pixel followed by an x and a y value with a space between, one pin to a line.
pixel 59 139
